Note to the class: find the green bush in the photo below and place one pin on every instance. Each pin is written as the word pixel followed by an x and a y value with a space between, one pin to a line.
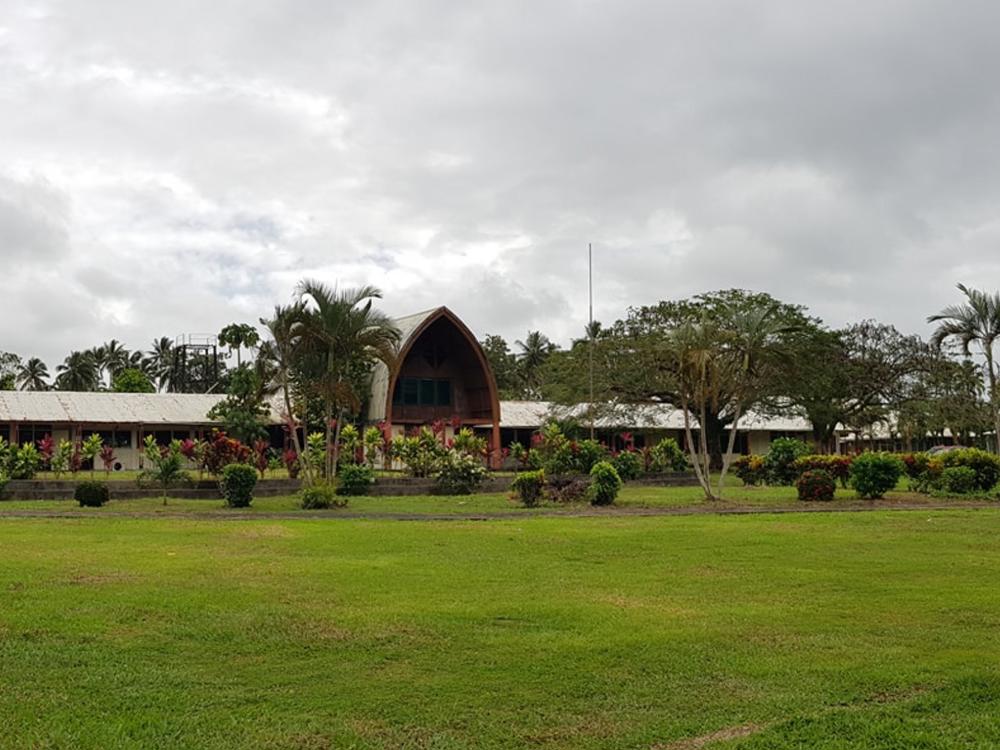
pixel 91 494
pixel 628 464
pixel 355 479
pixel 816 484
pixel 529 486
pixel 3 482
pixel 667 456
pixel 604 483
pixel 986 466
pixel 958 480
pixel 237 485
pixel 750 469
pixel 838 467
pixel 321 496
pixel 779 463
pixel 460 474
pixel 874 474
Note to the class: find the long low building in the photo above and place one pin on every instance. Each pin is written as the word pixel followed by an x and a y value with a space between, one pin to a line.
pixel 441 374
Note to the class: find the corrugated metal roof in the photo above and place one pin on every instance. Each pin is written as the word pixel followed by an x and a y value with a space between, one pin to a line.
pixel 58 407
pixel 531 414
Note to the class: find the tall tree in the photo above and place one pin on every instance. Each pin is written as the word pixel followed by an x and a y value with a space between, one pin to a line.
pixel 286 327
pixel 239 336
pixel 504 365
pixel 161 362
pixel 975 322
pixel 10 366
pixel 111 358
pixel 346 334
pixel 852 377
pixel 642 367
pixel 78 372
pixel 535 350
pixel 33 375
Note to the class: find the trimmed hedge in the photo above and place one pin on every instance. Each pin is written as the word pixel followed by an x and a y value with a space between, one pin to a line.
pixel 91 494
pixel 529 486
pixel 604 484
pixel 237 484
pixel 874 474
pixel 816 484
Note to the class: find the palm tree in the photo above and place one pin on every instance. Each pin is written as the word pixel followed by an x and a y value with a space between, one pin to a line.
pixel 535 350
pixel 976 321
pixel 78 372
pixel 161 362
pixel 33 375
pixel 345 334
pixel 286 328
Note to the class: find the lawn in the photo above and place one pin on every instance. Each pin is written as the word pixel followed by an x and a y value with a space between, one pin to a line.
pixel 861 630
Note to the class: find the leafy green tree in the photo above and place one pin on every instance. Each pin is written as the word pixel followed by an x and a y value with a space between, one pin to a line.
pixel 343 336
pixel 33 375
pixel 975 322
pixel 167 464
pixel 10 366
pixel 504 365
pixel 131 380
pixel 652 355
pixel 239 336
pixel 243 409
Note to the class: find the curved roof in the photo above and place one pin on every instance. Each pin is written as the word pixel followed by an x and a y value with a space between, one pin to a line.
pixel 410 329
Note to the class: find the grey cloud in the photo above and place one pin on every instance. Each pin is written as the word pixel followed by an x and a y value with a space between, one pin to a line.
pixel 840 155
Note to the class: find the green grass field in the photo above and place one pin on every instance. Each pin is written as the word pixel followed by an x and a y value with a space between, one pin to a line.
pixel 858 630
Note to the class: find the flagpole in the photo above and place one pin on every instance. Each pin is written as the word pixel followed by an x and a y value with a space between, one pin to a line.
pixel 590 332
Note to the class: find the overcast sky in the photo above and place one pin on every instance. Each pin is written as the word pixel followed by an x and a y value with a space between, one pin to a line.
pixel 169 167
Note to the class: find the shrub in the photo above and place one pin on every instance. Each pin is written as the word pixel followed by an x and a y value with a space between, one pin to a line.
pixel 838 467
pixel 985 466
pixel 874 474
pixel 354 479
pixel 779 463
pixel 604 483
pixel 958 480
pixel 667 455
pixel 3 482
pixel 460 474
pixel 750 469
pixel 237 485
pixel 586 455
pixel 816 484
pixel 628 464
pixel 291 461
pixel 915 463
pixel 91 494
pixel 221 450
pixel 321 496
pixel 529 486
pixel 23 462
pixel 421 454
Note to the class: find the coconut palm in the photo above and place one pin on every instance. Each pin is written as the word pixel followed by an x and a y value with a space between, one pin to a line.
pixel 161 362
pixel 78 372
pixel 111 358
pixel 974 322
pixel 33 375
pixel 344 334
pixel 535 350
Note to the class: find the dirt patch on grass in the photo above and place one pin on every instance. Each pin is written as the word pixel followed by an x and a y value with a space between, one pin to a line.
pixel 264 531
pixel 98 579
pixel 721 735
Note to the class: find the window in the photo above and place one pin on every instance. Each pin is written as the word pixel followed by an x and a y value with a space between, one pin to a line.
pixel 165 437
pixel 32 433
pixel 5 433
pixel 422 392
pixel 114 438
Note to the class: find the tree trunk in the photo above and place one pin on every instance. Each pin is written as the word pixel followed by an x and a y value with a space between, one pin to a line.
pixel 704 481
pixel 328 415
pixel 727 456
pixel 336 443
pixel 992 379
pixel 303 464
